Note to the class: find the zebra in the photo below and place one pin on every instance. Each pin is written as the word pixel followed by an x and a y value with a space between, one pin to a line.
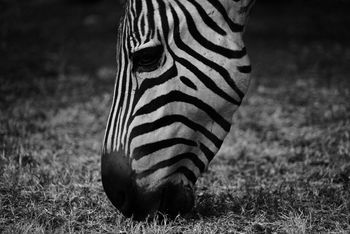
pixel 182 71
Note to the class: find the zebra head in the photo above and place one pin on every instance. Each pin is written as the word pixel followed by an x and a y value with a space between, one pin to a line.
pixel 182 72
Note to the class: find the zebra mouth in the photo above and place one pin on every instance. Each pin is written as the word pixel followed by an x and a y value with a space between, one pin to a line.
pixel 176 199
pixel 120 186
pixel 170 200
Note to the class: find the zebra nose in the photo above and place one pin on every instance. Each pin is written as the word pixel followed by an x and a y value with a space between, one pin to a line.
pixel 116 180
pixel 119 184
pixel 121 189
pixel 176 199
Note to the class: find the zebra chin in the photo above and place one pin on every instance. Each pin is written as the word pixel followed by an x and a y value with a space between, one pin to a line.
pixel 119 183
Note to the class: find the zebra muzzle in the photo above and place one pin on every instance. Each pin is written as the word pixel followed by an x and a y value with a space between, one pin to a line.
pixel 119 183
pixel 176 199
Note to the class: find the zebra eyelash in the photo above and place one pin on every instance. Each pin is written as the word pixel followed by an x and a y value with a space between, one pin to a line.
pixel 147 59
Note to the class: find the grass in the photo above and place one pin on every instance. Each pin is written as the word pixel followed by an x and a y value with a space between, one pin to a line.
pixel 285 167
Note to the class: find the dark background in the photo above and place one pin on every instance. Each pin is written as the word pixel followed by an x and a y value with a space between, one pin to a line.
pixel 45 40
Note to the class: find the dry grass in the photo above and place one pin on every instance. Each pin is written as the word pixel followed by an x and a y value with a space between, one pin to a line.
pixel 284 169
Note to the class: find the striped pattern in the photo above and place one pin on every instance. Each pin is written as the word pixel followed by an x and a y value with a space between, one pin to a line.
pixel 182 72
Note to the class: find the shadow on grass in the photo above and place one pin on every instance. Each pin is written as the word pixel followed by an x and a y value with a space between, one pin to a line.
pixel 249 205
pixel 304 198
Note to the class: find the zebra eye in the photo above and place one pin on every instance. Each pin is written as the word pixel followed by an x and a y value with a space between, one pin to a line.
pixel 147 59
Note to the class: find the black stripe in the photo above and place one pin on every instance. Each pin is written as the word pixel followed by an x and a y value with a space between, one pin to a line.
pixel 163 18
pixel 146 149
pixel 244 69
pixel 177 96
pixel 128 42
pixel 206 19
pixel 170 119
pixel 136 30
pixel 123 87
pixel 164 61
pixel 138 8
pixel 152 82
pixel 143 25
pixel 150 15
pixel 228 53
pixel 128 105
pixel 208 82
pixel 186 172
pixel 233 26
pixel 131 15
pixel 172 161
pixel 116 86
pixel 207 152
pixel 188 82
pixel 149 83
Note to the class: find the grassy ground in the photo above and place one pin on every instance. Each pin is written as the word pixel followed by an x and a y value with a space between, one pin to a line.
pixel 285 167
